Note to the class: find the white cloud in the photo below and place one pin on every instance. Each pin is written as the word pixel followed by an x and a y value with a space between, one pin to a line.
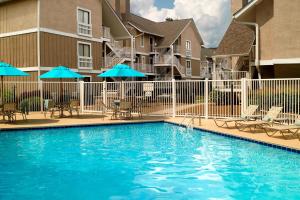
pixel 211 16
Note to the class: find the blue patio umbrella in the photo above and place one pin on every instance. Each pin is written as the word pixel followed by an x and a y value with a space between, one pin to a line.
pixel 9 70
pixel 121 71
pixel 61 72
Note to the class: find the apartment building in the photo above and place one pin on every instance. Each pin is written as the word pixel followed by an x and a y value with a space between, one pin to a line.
pixel 159 44
pixel 91 36
pixel 263 39
pixel 37 35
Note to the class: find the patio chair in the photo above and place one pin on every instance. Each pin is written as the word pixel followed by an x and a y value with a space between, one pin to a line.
pixel 9 111
pixel 268 119
pixel 138 108
pixel 125 110
pixel 74 105
pixel 50 106
pixel 284 130
pixel 247 115
pixel 100 105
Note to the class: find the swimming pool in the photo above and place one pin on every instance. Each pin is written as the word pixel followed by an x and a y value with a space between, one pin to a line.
pixel 142 161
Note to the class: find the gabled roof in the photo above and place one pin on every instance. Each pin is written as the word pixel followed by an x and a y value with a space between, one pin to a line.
pixel 143 25
pixel 171 31
pixel 168 31
pixel 237 40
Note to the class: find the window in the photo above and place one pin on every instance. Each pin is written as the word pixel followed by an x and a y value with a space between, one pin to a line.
pixel 84 22
pixel 188 47
pixel 188 68
pixel 85 59
pixel 142 40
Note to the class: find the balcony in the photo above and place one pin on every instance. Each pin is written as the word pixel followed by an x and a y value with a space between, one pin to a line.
pixel 177 49
pixel 145 68
pixel 230 75
pixel 106 32
pixel 188 53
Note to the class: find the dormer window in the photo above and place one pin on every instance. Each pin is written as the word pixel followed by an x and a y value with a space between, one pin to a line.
pixel 84 22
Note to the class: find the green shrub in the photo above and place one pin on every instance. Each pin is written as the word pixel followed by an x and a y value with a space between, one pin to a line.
pixel 32 103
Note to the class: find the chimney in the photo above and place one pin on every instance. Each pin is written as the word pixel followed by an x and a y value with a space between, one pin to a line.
pixel 120 6
pixel 237 5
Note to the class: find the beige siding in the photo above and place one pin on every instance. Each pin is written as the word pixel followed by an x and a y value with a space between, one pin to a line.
pixel 62 15
pixel 265 20
pixel 20 51
pixel 286 29
pixel 190 34
pixel 18 15
pixel 62 50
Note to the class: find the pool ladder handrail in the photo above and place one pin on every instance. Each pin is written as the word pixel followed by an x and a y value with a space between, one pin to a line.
pixel 191 122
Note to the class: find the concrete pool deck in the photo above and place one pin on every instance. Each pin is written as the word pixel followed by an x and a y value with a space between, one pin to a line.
pixel 37 120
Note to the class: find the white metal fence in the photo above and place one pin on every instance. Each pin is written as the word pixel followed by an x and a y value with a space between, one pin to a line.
pixel 206 98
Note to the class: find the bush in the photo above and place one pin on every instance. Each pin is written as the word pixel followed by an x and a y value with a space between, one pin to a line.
pixel 32 103
pixel 224 98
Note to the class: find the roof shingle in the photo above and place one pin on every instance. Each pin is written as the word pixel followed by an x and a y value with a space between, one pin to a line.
pixel 237 40
pixel 168 31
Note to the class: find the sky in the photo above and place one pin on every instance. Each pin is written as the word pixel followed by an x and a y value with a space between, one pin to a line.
pixel 212 17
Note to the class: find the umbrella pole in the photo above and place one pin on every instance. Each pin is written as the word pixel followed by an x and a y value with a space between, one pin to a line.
pixel 61 99
pixel 2 92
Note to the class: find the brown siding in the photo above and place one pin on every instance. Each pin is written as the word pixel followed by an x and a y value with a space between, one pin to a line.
pixel 195 68
pixel 287 71
pixel 20 51
pixel 33 77
pixel 18 15
pixel 62 50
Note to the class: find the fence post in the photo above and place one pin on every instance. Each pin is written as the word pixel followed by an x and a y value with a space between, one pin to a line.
pixel 104 93
pixel 40 85
pixel 243 95
pixel 81 92
pixel 174 98
pixel 206 96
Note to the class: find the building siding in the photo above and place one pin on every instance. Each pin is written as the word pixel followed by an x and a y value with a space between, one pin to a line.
pixel 190 34
pixel 63 15
pixel 62 50
pixel 286 29
pixel 18 16
pixel 20 50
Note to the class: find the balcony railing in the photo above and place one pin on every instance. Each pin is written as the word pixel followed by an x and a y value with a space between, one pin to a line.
pixel 230 75
pixel 177 49
pixel 145 68
pixel 106 32
pixel 188 53
pixel 84 29
pixel 85 62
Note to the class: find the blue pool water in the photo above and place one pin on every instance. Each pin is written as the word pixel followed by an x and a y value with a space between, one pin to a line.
pixel 143 161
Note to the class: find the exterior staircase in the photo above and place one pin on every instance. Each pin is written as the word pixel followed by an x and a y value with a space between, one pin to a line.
pixel 164 58
pixel 118 53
